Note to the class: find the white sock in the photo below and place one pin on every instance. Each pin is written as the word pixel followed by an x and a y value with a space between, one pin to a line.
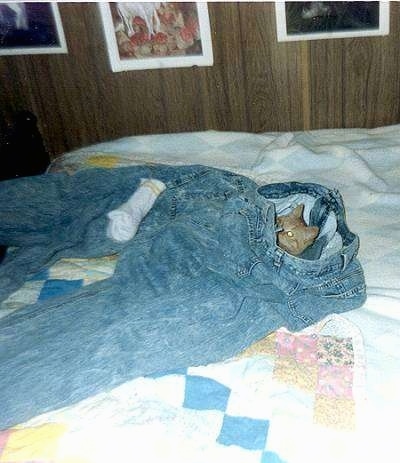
pixel 125 220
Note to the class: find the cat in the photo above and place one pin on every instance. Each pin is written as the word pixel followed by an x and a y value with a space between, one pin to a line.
pixel 295 235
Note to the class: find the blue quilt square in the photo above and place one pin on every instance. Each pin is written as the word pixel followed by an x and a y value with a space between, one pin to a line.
pixel 248 433
pixel 271 457
pixel 52 288
pixel 202 393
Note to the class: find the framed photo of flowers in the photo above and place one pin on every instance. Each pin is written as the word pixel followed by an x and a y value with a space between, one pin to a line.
pixel 329 20
pixel 28 28
pixel 154 35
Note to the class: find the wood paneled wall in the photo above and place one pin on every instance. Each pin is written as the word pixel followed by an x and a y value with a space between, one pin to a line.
pixel 256 83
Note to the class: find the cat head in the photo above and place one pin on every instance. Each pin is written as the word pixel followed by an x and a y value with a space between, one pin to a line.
pixel 295 235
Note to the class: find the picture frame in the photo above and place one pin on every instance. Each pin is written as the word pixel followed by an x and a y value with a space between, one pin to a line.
pixel 156 35
pixel 328 20
pixel 31 28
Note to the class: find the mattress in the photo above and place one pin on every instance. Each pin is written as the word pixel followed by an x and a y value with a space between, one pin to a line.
pixel 322 394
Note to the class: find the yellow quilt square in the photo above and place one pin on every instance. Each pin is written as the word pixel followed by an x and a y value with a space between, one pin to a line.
pixel 31 444
pixel 292 373
pixel 105 161
pixel 266 346
pixel 333 412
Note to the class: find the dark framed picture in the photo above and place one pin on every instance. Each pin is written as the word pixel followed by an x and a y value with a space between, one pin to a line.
pixel 30 28
pixel 153 35
pixel 327 20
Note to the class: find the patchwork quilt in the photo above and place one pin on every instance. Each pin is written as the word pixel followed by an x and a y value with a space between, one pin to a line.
pixel 248 409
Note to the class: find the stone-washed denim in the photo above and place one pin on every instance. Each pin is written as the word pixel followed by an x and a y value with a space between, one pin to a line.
pixel 202 279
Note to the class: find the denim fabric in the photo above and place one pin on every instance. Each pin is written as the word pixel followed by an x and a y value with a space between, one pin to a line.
pixel 202 279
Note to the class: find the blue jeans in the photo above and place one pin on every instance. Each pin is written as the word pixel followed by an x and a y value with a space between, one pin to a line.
pixel 201 281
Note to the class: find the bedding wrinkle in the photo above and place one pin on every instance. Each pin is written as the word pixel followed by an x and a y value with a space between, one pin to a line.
pixel 325 157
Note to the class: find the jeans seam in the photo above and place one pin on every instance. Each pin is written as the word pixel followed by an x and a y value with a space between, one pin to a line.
pixel 296 314
pixel 250 226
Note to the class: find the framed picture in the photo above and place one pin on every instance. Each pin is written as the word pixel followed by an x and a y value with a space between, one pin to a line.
pixel 28 28
pixel 328 20
pixel 152 35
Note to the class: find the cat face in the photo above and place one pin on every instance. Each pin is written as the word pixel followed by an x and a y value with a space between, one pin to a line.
pixel 295 235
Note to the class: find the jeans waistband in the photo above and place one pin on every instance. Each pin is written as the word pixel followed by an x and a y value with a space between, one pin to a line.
pixel 332 264
pixel 265 242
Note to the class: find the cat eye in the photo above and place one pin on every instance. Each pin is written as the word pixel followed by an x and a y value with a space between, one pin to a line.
pixel 290 234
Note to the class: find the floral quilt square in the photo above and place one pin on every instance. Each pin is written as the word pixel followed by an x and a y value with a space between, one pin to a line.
pixel 335 351
pixel 303 348
pixel 335 381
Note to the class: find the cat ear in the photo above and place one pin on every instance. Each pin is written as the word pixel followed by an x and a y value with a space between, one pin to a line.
pixel 311 233
pixel 298 211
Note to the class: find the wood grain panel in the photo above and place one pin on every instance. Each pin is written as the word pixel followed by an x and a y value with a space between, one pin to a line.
pixel 182 101
pixel 256 83
pixel 111 104
pixel 370 82
pixel 273 72
pixel 223 85
pixel 364 68
pixel 326 89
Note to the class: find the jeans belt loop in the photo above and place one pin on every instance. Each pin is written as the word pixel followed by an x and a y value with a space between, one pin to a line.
pixel 278 257
pixel 345 261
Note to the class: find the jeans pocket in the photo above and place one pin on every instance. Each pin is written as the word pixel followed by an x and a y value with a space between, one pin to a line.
pixel 340 293
pixel 346 284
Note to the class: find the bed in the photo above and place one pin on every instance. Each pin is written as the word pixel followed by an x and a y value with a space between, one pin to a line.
pixel 320 394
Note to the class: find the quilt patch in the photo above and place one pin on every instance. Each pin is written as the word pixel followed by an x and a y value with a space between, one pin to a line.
pixel 66 275
pixel 247 409
pixel 38 444
pixel 322 366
